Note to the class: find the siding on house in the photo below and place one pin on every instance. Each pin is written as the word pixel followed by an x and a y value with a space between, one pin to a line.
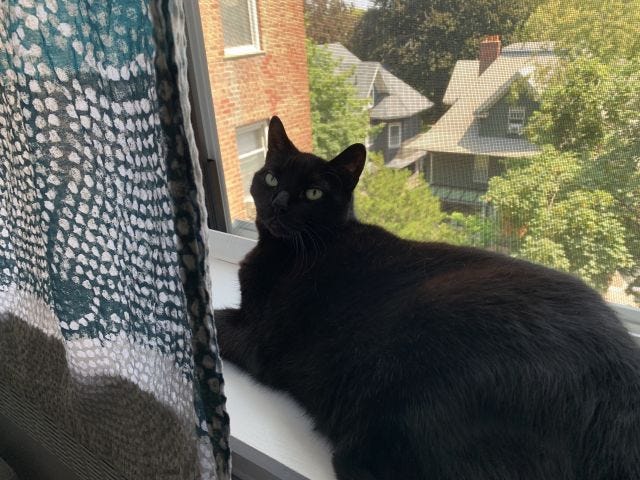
pixel 410 127
pixel 252 88
pixel 456 170
pixel 450 176
pixel 496 123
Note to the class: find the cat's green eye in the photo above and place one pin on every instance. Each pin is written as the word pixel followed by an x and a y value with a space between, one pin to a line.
pixel 313 193
pixel 271 180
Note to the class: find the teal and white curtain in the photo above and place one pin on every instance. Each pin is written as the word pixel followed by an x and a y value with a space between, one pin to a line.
pixel 105 315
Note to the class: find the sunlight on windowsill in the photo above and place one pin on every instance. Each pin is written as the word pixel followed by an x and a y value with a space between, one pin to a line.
pixel 267 420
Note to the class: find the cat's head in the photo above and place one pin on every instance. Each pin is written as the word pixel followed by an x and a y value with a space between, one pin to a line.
pixel 298 194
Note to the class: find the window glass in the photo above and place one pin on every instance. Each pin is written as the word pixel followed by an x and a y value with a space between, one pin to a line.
pixel 511 125
pixel 395 135
pixel 251 154
pixel 516 120
pixel 238 23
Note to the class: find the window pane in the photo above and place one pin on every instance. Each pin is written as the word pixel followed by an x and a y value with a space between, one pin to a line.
pixel 394 136
pixel 251 153
pixel 236 22
pixel 250 165
pixel 251 140
pixel 519 126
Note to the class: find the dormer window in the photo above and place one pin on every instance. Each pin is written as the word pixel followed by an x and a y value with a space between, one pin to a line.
pixel 516 120
pixel 372 98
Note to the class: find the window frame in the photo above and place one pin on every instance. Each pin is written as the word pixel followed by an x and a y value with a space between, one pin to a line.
pixel 254 29
pixel 516 118
pixel 389 136
pixel 372 97
pixel 263 127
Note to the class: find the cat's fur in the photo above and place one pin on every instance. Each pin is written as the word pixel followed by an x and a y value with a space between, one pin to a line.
pixel 425 360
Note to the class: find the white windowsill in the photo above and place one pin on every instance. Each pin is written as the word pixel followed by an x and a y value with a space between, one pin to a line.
pixel 272 438
pixel 242 51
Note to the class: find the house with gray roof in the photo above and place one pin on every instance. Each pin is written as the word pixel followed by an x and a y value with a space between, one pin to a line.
pixel 490 101
pixel 392 103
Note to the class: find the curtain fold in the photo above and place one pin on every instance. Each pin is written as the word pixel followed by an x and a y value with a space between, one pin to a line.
pixel 105 312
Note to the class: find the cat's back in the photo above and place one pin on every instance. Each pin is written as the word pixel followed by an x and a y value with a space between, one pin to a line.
pixel 485 303
pixel 376 258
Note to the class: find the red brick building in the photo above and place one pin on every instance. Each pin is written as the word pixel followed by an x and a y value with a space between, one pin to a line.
pixel 257 68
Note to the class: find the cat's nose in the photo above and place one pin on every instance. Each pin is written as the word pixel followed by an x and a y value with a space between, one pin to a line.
pixel 281 201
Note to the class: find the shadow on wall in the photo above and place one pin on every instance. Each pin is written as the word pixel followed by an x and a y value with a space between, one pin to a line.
pixel 114 425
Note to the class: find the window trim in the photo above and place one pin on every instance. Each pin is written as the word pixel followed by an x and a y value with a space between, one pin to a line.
pixel 254 29
pixel 204 123
pixel 516 119
pixel 260 125
pixel 389 136
pixel 372 97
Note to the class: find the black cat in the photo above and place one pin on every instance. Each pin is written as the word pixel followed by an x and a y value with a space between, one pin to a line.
pixel 425 360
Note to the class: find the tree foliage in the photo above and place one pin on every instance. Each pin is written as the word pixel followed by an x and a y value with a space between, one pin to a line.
pixel 553 216
pixel 420 40
pixel 329 21
pixel 588 104
pixel 576 206
pixel 608 30
pixel 338 117
pixel 402 203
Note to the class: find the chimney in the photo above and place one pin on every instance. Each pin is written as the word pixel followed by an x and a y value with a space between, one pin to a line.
pixel 490 48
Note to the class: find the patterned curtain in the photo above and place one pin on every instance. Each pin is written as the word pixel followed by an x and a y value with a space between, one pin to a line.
pixel 105 318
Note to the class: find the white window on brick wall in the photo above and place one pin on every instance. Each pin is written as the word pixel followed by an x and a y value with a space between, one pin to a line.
pixel 395 135
pixel 481 169
pixel 240 27
pixel 516 120
pixel 252 150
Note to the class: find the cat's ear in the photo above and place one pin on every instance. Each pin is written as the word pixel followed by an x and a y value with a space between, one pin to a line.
pixel 278 140
pixel 352 160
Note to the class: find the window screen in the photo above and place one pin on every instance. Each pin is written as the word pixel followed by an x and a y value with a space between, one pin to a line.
pixel 518 120
pixel 238 23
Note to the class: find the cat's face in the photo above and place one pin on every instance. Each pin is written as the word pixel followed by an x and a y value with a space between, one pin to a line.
pixel 298 194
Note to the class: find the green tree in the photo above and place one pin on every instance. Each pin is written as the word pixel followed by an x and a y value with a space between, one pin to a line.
pixel 608 30
pixel 576 206
pixel 587 105
pixel 421 40
pixel 402 203
pixel 329 21
pixel 552 216
pixel 338 117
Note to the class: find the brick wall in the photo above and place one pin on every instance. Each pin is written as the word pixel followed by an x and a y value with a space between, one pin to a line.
pixel 253 88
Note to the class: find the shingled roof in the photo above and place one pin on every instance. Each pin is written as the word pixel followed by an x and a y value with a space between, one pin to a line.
pixel 398 100
pixel 464 76
pixel 457 131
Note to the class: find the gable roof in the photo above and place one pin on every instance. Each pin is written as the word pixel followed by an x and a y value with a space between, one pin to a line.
pixel 457 131
pixel 399 100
